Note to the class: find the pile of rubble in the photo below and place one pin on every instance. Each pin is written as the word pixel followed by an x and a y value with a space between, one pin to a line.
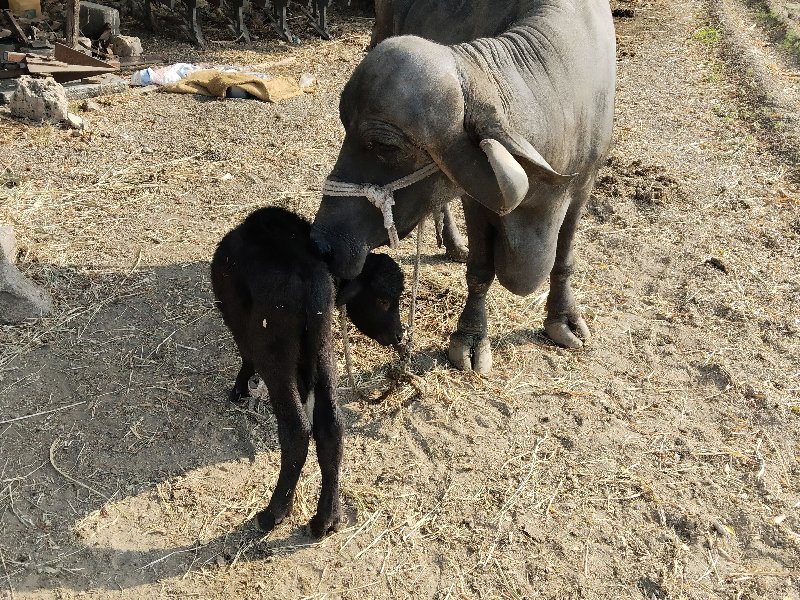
pixel 69 41
pixel 96 31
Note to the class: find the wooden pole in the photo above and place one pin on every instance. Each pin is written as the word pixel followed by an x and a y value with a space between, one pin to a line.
pixel 73 29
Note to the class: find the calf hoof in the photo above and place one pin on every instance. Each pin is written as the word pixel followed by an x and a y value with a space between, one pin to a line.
pixel 470 352
pixel 569 330
pixel 268 521
pixel 319 526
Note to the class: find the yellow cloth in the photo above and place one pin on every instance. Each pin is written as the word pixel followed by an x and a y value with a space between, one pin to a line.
pixel 210 82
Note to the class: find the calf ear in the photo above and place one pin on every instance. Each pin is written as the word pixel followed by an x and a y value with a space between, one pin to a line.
pixel 488 159
pixel 348 291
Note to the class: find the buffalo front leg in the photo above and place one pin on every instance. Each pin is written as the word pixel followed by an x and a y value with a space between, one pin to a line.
pixel 328 435
pixel 319 18
pixel 279 20
pixel 564 323
pixel 237 22
pixel 193 23
pixel 294 433
pixel 147 15
pixel 469 345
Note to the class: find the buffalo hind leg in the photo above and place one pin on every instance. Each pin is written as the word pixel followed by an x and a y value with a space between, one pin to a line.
pixel 564 323
pixel 448 235
pixel 469 345
pixel 294 433
pixel 328 435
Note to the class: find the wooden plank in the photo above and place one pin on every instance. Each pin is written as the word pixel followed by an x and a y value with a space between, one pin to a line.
pixel 16 30
pixel 76 57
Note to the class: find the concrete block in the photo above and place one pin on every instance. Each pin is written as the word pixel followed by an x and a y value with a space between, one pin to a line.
pixel 93 18
pixel 39 99
pixel 99 85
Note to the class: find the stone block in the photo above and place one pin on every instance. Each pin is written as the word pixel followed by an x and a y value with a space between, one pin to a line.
pixel 125 45
pixel 20 299
pixel 39 99
pixel 93 18
pixel 8 243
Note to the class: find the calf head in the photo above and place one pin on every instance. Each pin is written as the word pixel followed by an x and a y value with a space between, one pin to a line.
pixel 373 299
pixel 410 103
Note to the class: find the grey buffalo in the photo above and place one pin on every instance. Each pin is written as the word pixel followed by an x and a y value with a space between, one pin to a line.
pixel 507 104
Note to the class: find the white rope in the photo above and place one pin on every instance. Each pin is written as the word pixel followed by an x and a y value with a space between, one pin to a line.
pixel 412 311
pixel 380 196
pixel 348 359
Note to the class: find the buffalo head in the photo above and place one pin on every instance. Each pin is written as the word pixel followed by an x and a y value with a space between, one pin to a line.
pixel 410 103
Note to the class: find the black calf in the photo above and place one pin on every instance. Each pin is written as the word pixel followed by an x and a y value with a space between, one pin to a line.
pixel 276 296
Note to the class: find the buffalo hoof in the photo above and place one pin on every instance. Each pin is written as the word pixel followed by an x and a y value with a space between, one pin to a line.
pixel 457 252
pixel 470 352
pixel 563 329
pixel 320 526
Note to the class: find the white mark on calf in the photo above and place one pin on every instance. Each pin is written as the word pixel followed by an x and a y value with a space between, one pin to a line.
pixel 264 323
pixel 309 407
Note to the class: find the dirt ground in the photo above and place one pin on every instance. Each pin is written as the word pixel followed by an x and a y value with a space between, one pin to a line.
pixel 661 461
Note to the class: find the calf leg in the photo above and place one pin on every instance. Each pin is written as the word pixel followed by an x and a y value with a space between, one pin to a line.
pixel 564 320
pixel 469 345
pixel 279 373
pixel 241 388
pixel 328 433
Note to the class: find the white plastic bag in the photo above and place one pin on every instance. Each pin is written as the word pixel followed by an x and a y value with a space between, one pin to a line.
pixel 163 75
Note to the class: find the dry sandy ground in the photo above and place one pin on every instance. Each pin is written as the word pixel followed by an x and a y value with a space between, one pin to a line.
pixel 662 461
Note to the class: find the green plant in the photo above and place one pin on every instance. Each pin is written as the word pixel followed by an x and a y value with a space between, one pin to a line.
pixel 708 35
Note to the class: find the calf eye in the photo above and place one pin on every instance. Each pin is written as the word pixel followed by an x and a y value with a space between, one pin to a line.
pixel 383 304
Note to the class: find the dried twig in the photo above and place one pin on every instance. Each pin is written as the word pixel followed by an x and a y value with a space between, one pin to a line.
pixel 173 553
pixel 8 577
pixel 44 412
pixel 67 475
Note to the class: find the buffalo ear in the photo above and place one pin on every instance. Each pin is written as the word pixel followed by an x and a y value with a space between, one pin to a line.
pixel 348 290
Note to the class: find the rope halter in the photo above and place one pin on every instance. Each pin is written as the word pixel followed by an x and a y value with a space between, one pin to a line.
pixel 380 196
